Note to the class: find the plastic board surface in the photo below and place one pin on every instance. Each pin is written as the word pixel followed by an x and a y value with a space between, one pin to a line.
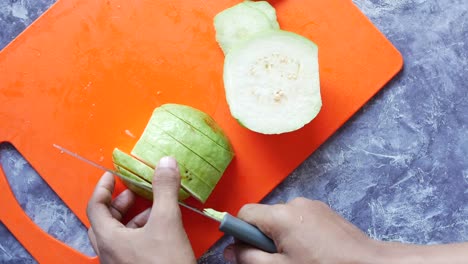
pixel 88 74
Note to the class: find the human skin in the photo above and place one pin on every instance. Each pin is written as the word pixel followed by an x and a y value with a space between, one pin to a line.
pixel 303 230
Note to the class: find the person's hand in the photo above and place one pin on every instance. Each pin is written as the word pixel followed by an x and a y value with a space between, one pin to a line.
pixel 154 236
pixel 304 231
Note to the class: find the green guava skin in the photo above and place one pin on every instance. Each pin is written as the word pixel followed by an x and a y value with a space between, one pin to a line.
pixel 186 135
pixel 192 137
pixel 190 167
pixel 193 184
pixel 130 163
pixel 268 10
pixel 201 122
pixel 133 182
pixel 238 23
pixel 137 170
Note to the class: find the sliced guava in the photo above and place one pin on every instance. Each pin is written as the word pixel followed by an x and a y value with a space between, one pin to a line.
pixel 190 138
pixel 131 177
pixel 130 163
pixel 134 184
pixel 239 23
pixel 267 9
pixel 272 82
pixel 158 139
pixel 201 122
pixel 191 182
pixel 133 167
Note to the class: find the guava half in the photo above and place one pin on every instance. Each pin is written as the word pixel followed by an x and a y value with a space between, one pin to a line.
pixel 271 76
pixel 272 82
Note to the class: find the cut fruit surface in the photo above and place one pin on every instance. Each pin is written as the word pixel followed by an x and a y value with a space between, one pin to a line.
pixel 240 22
pixel 272 82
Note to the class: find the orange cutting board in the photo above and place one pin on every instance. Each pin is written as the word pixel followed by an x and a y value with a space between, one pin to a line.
pixel 88 74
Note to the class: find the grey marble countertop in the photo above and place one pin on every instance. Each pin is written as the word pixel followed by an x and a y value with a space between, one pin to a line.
pixel 398 169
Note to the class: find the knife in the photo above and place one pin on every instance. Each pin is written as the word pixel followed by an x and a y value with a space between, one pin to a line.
pixel 229 224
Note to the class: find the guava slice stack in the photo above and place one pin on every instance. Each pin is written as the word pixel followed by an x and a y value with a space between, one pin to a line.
pixel 192 137
pixel 271 76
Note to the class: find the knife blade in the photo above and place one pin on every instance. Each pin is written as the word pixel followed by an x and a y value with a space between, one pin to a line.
pixel 229 224
pixel 94 164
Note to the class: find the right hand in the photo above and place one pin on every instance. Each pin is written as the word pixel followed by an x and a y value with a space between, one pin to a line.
pixel 304 231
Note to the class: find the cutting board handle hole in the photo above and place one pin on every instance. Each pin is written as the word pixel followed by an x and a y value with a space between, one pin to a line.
pixel 40 203
pixel 13 250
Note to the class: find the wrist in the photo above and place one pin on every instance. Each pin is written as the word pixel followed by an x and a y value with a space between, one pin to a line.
pixel 397 253
pixel 370 252
pixel 414 254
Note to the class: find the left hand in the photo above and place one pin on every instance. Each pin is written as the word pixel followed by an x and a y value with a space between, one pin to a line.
pixel 154 236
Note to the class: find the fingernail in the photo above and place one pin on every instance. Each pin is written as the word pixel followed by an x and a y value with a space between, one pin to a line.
pixel 168 162
pixel 229 254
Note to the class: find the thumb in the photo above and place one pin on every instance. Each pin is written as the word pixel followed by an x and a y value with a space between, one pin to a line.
pixel 166 184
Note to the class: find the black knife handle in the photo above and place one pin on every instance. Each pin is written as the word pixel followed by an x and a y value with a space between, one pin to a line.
pixel 247 233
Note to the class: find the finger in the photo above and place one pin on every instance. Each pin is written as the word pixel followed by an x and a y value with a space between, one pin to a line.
pixel 247 254
pixel 121 204
pixel 92 240
pixel 98 207
pixel 140 220
pixel 166 184
pixel 267 218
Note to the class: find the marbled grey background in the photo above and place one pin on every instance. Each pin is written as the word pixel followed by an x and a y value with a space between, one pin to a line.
pixel 398 169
